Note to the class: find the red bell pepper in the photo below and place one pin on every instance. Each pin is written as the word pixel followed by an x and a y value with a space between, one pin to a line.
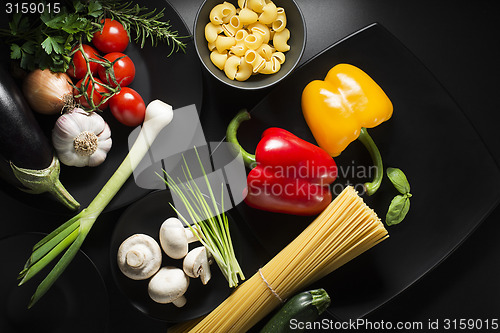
pixel 289 175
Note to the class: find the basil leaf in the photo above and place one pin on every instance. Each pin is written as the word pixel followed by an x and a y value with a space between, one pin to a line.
pixel 399 180
pixel 398 209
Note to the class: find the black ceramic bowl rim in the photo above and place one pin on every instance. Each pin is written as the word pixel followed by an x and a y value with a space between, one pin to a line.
pixel 259 81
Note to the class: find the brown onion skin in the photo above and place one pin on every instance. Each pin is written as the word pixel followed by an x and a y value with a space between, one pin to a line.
pixel 47 92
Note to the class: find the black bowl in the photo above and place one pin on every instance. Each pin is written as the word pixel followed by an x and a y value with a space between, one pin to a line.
pixel 295 23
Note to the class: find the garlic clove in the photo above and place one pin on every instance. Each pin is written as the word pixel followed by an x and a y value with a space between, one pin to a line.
pixel 104 136
pixel 96 124
pixel 72 159
pixel 67 127
pixel 81 119
pixel 97 158
pixel 105 145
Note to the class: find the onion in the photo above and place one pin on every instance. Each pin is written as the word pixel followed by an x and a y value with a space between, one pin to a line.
pixel 48 92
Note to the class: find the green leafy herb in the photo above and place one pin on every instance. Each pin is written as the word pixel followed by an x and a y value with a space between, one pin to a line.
pixel 399 180
pixel 47 40
pixel 400 205
pixel 398 209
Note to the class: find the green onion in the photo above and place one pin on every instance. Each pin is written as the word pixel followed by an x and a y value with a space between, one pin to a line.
pixel 71 234
pixel 209 223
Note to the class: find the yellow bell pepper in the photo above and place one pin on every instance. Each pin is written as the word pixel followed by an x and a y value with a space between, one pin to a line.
pixel 340 108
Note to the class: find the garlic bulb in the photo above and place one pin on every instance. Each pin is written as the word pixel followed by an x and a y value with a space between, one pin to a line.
pixel 81 138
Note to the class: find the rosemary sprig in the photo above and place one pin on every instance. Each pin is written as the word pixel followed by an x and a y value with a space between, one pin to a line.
pixel 145 25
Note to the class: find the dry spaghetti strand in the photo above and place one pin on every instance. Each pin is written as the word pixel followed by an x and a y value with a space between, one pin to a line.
pixel 344 230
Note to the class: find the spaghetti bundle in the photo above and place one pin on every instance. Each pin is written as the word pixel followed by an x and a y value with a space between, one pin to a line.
pixel 344 230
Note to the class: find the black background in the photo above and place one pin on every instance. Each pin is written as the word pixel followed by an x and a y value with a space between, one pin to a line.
pixel 458 42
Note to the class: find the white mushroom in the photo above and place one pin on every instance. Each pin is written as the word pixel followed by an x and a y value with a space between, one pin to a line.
pixel 174 238
pixel 169 286
pixel 139 257
pixel 197 264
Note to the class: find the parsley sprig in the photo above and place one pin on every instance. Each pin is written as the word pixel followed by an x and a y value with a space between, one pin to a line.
pixel 47 40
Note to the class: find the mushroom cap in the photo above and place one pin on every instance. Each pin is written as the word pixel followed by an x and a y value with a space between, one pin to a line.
pixel 139 257
pixel 168 284
pixel 196 264
pixel 173 238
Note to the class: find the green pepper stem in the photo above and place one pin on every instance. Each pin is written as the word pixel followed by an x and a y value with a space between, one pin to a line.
pixel 231 131
pixel 367 141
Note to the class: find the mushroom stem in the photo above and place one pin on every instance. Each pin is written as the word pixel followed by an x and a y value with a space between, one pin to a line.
pixel 139 257
pixel 197 264
pixel 180 302
pixel 191 237
pixel 135 258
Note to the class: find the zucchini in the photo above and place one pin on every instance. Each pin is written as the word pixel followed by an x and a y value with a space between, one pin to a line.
pixel 27 158
pixel 303 307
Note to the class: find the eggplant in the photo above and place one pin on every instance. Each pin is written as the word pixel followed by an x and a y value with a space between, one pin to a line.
pixel 27 157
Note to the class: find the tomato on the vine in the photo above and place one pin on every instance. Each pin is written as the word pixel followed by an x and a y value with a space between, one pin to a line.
pixel 124 69
pixel 78 66
pixel 97 97
pixel 112 38
pixel 128 107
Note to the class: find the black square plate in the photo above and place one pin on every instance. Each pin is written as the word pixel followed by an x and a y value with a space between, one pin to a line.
pixel 454 180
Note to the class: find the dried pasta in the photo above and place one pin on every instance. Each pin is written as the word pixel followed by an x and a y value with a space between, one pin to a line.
pixel 256 5
pixel 232 27
pixel 255 59
pixel 258 28
pixel 344 230
pixel 218 59
pixel 222 13
pixel 223 43
pixel 256 25
pixel 269 13
pixel 252 42
pixel 270 67
pixel 281 40
pixel 239 49
pixel 280 23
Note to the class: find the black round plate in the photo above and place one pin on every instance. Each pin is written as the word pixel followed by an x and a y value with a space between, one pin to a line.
pixel 77 302
pixel 174 79
pixel 146 216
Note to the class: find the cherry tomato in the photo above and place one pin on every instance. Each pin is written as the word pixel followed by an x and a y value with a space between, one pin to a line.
pixel 112 38
pixel 97 97
pixel 124 69
pixel 128 107
pixel 78 66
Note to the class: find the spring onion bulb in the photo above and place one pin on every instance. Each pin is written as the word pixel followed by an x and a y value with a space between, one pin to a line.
pixel 72 233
